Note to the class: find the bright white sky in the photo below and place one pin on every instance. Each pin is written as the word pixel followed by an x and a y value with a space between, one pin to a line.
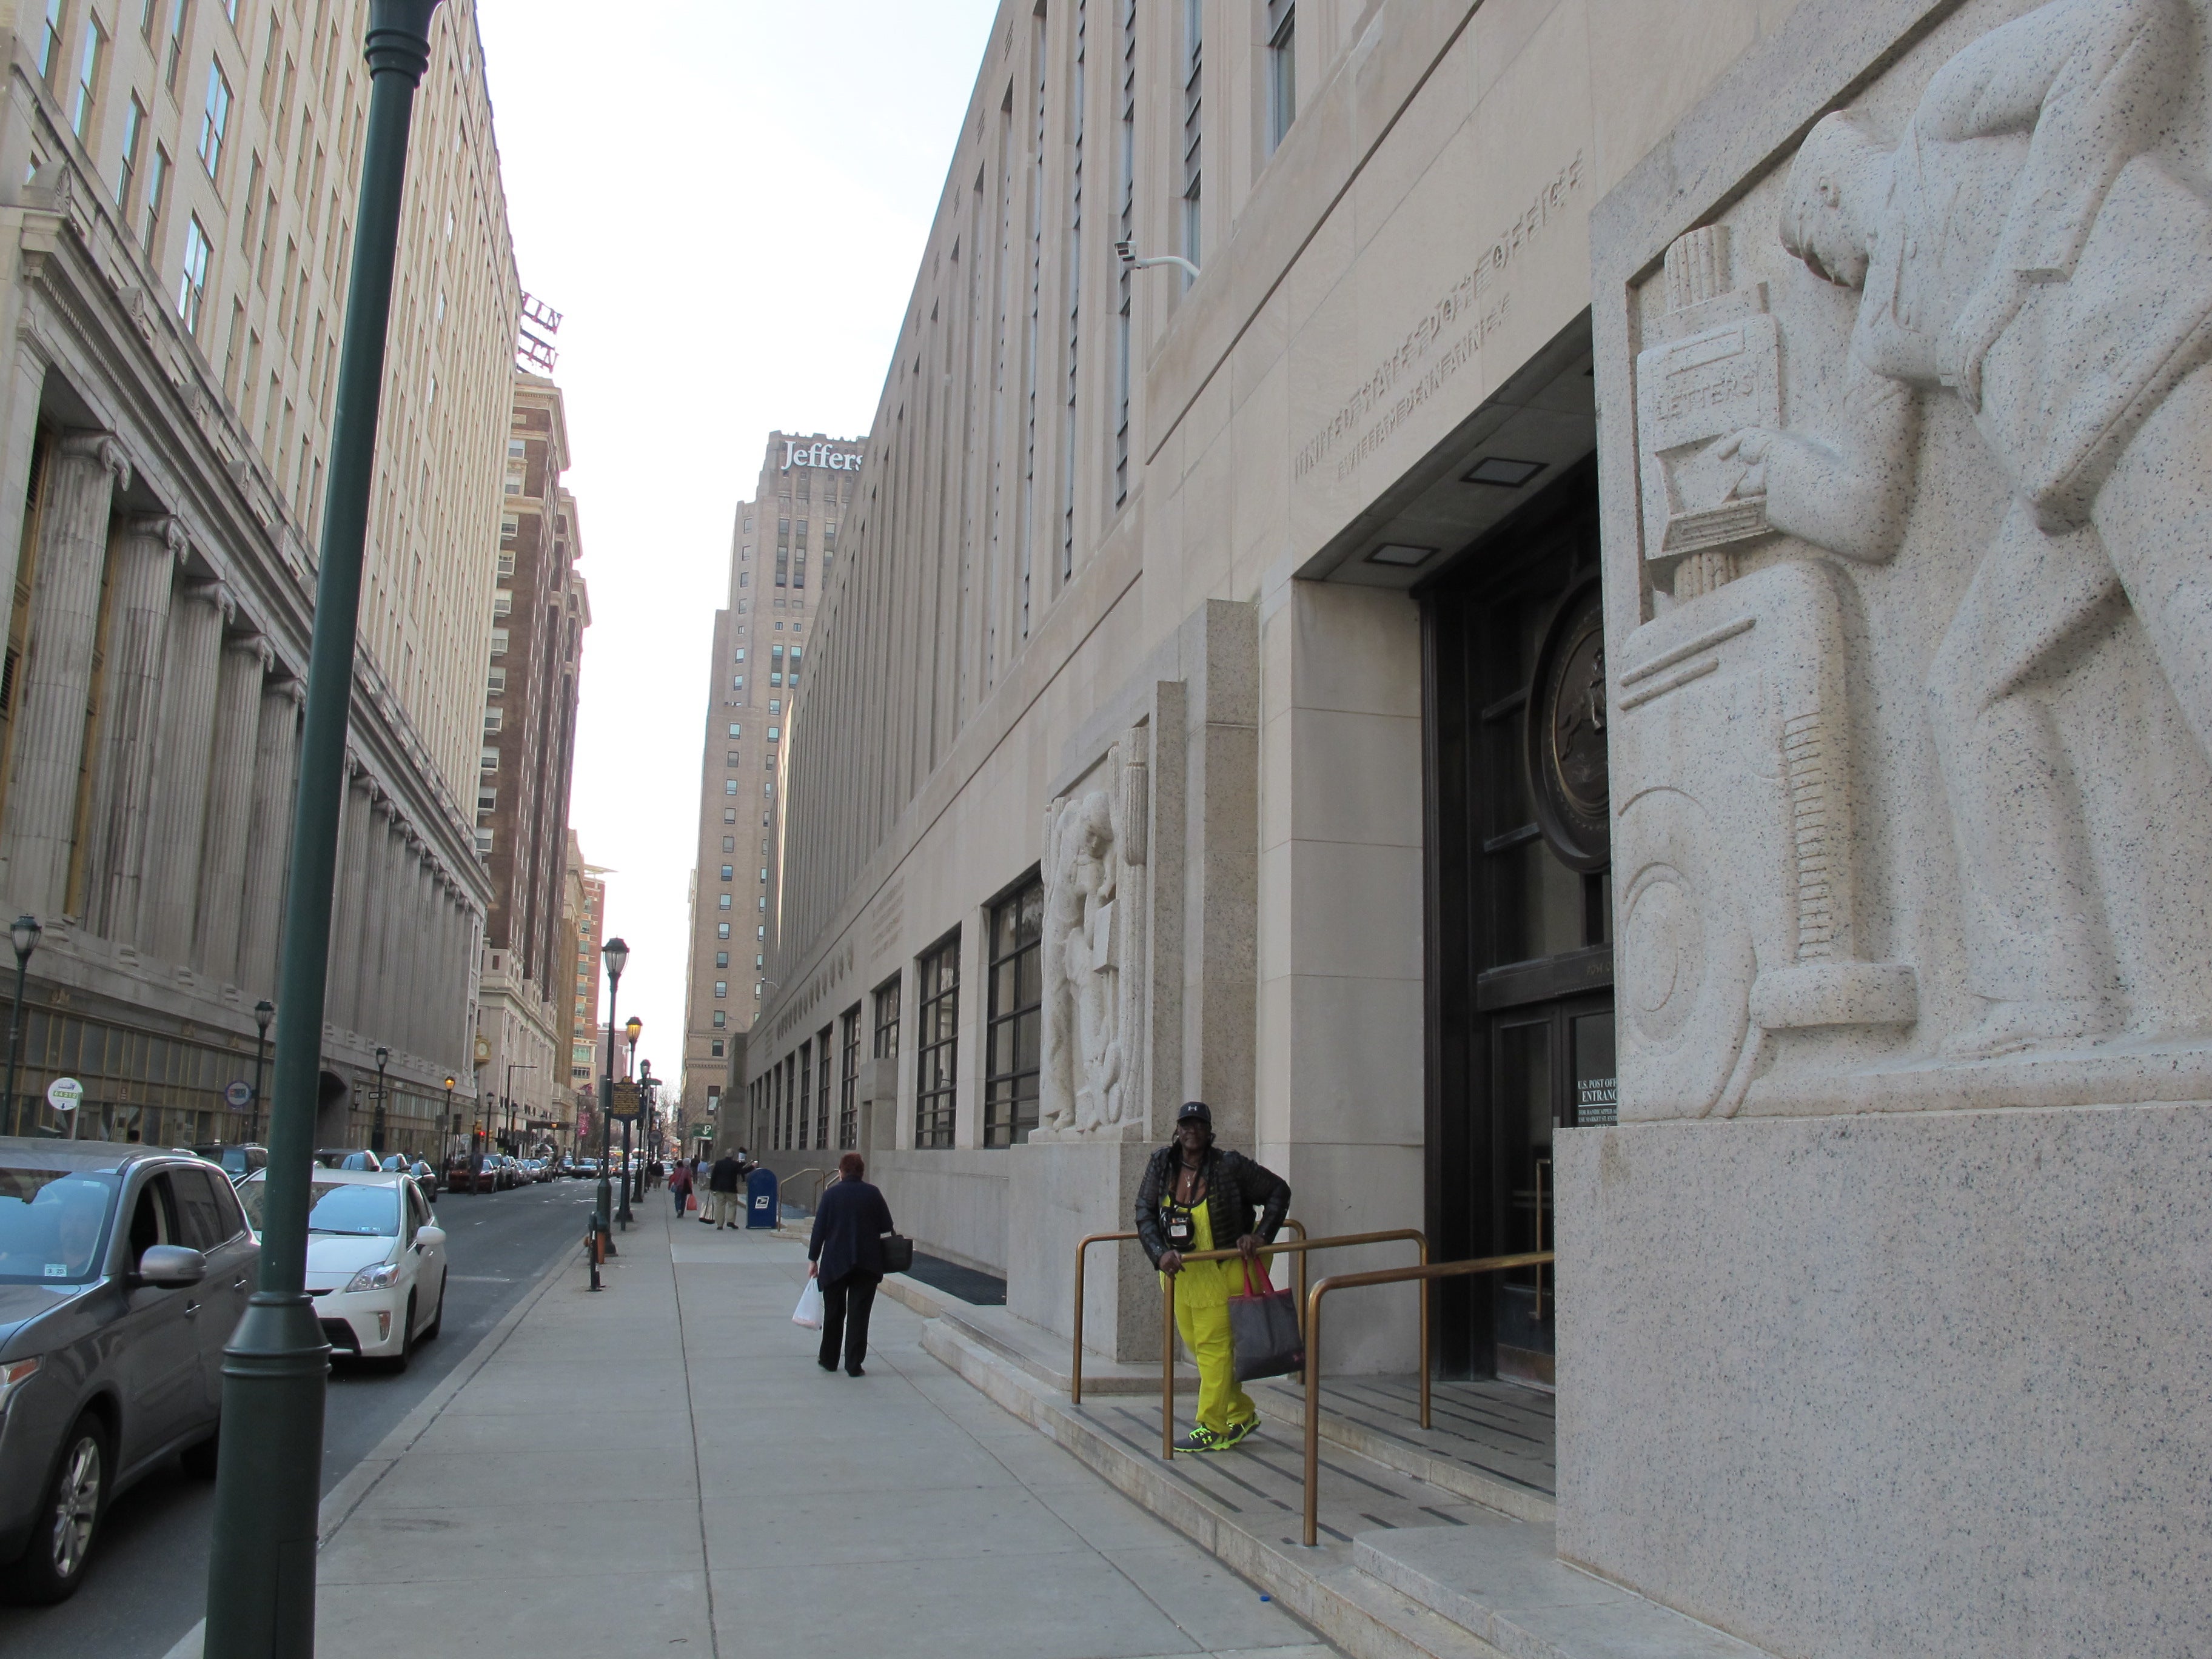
pixel 725 200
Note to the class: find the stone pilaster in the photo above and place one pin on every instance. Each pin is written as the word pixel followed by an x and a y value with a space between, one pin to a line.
pixel 268 839
pixel 172 876
pixel 369 1018
pixel 411 942
pixel 341 994
pixel 55 676
pixel 230 806
pixel 26 386
pixel 142 561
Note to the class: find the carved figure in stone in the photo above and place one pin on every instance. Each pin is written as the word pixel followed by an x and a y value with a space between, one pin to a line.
pixel 2026 247
pixel 1083 968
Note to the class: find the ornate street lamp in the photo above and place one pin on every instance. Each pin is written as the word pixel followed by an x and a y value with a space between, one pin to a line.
pixel 445 1131
pixel 617 956
pixel 376 1129
pixel 261 1561
pixel 24 936
pixel 631 1027
pixel 263 1011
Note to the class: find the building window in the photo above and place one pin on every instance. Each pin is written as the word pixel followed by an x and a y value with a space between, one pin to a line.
pixel 937 1045
pixel 157 189
pixel 887 1019
pixel 822 1087
pixel 215 119
pixel 1016 1018
pixel 192 286
pixel 87 79
pixel 714 1048
pixel 173 57
pixel 849 1089
pixel 483 843
pixel 730 787
pixel 507 564
pixel 726 875
pixel 134 136
pixel 721 958
pixel 722 903
pixel 493 719
pixel 1282 70
pixel 722 987
pixel 805 1091
pixel 736 729
pixel 499 641
pixel 490 763
pixel 486 800
pixel 720 1019
pixel 721 930
pixel 510 527
pixel 502 602
pixel 50 41
pixel 495 681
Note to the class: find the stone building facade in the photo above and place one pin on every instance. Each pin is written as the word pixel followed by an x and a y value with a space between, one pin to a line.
pixel 177 205
pixel 1623 670
pixel 539 610
pixel 783 551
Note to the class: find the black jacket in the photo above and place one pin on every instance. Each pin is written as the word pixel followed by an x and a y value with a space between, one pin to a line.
pixel 1243 1197
pixel 724 1176
pixel 848 1228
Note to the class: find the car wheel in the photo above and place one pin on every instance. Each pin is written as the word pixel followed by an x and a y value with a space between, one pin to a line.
pixel 438 1315
pixel 398 1362
pixel 69 1516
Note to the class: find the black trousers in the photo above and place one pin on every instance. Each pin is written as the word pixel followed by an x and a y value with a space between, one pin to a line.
pixel 846 1304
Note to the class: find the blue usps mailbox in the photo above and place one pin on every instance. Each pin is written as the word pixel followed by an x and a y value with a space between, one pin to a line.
pixel 762 1205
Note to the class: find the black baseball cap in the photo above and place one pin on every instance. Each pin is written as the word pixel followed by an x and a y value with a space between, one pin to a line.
pixel 1197 1109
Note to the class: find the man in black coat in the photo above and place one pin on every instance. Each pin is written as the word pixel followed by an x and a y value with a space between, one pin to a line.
pixel 723 1182
pixel 847 1252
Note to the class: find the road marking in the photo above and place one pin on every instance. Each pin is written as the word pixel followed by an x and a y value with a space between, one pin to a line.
pixel 478 1279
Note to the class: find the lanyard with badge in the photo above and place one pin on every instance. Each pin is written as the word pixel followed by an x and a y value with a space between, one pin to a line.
pixel 1181 1220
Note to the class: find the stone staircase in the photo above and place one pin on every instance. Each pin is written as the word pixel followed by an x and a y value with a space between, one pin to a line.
pixel 1433 1545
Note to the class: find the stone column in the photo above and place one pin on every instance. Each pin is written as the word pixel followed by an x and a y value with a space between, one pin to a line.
pixel 342 995
pixel 173 872
pixel 18 441
pixel 230 806
pixel 431 954
pixel 375 901
pixel 83 471
pixel 142 562
pixel 412 936
pixel 268 839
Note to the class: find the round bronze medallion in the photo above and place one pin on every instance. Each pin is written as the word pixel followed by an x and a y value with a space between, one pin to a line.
pixel 1566 733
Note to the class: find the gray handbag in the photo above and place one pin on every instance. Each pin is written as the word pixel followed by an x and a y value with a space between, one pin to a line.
pixel 1263 1331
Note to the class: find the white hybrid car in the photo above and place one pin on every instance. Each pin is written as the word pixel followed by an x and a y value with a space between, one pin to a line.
pixel 376 1263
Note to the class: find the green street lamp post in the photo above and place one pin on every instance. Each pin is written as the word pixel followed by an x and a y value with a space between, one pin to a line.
pixel 617 957
pixel 263 1011
pixel 445 1131
pixel 376 1129
pixel 630 1029
pixel 261 1559
pixel 24 935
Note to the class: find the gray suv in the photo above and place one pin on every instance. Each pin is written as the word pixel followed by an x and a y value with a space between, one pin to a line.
pixel 123 1273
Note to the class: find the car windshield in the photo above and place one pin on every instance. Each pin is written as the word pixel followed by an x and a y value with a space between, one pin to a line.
pixel 52 1225
pixel 344 1207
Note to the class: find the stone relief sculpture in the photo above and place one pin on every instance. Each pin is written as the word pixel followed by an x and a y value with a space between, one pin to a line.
pixel 2063 290
pixel 1093 953
pixel 2029 247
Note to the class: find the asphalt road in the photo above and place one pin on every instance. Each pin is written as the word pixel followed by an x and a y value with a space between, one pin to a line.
pixel 148 1582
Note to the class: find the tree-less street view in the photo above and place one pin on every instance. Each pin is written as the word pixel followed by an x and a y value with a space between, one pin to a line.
pixel 1105 829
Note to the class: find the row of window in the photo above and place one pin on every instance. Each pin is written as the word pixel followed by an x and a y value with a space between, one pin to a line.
pixel 1012 1039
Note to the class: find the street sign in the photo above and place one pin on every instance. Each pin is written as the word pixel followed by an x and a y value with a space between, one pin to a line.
pixel 625 1104
pixel 239 1095
pixel 65 1094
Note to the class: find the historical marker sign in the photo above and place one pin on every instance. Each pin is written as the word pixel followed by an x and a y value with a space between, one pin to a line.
pixel 238 1095
pixel 625 1104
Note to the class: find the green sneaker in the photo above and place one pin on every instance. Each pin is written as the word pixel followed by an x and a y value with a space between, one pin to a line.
pixel 1237 1434
pixel 1199 1439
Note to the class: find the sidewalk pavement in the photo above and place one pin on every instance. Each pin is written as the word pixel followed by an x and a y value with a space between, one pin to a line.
pixel 663 1467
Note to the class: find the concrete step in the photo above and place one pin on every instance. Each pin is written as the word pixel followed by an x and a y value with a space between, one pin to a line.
pixel 1504 1585
pixel 1406 1454
pixel 1039 1352
pixel 1381 1602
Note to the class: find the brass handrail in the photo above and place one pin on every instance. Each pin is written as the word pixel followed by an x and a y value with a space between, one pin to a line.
pixel 810 1170
pixel 1425 1275
pixel 1340 1241
pixel 1075 1382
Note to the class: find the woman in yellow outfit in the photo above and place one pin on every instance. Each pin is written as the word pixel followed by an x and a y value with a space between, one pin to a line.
pixel 1193 1194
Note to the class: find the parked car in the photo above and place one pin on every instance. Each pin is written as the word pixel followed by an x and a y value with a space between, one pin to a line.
pixel 424 1177
pixel 376 1263
pixel 472 1172
pixel 346 1157
pixel 123 1272
pixel 587 1169
pixel 238 1160
pixel 533 1170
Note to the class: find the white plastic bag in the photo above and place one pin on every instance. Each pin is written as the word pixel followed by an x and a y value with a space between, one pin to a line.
pixel 808 1312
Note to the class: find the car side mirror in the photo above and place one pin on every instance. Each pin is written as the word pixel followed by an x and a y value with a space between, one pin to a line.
pixel 170 1267
pixel 427 1234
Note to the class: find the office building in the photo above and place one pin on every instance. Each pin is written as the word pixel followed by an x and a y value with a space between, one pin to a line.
pixel 1621 667
pixel 783 550
pixel 178 184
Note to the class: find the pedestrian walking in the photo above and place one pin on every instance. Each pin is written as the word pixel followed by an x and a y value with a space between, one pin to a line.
pixel 846 1253
pixel 1194 1196
pixel 722 1183
pixel 679 1187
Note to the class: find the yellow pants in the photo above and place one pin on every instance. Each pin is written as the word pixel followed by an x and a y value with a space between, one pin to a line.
pixel 1202 1316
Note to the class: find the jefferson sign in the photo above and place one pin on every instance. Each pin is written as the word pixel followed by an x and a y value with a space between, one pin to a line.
pixel 837 460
